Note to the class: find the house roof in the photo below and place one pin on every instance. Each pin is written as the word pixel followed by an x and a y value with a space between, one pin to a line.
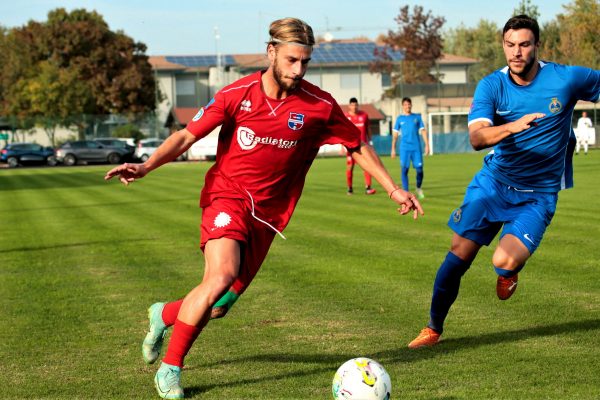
pixel 454 59
pixel 183 115
pixel 325 53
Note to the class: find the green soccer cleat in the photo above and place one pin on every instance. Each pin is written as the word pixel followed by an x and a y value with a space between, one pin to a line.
pixel 156 333
pixel 167 380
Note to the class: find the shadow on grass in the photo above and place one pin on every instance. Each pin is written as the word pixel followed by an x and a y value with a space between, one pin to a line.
pixel 71 245
pixel 403 354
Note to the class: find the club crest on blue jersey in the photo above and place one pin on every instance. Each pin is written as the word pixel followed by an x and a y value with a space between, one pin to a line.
pixel 296 121
pixel 555 105
pixel 457 215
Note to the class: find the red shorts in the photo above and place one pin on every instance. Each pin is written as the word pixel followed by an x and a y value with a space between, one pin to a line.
pixel 230 218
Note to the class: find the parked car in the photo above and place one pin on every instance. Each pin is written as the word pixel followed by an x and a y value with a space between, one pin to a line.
pixel 146 147
pixel 16 154
pixel 73 152
pixel 129 141
pixel 122 143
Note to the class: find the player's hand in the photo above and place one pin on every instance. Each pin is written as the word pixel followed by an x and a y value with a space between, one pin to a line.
pixel 427 150
pixel 127 173
pixel 525 122
pixel 393 154
pixel 408 202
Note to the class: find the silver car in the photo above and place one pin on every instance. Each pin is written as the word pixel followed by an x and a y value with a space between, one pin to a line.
pixel 73 152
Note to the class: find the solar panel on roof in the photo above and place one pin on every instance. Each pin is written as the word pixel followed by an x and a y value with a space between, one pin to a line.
pixel 324 53
pixel 200 61
pixel 348 52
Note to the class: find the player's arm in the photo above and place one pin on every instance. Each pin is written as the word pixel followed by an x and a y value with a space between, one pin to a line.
pixel 169 150
pixel 425 140
pixel 367 158
pixel 483 135
pixel 394 141
pixel 369 133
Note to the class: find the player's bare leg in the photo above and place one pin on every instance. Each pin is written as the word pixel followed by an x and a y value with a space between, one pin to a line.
pixel 222 261
pixel 509 258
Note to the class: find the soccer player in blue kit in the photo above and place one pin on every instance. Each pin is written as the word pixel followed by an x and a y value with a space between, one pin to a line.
pixel 524 112
pixel 409 126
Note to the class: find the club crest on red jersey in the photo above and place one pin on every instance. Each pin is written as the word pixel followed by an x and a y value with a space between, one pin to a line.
pixel 295 121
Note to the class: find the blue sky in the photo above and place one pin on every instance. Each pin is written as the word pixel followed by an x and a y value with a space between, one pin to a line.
pixel 181 27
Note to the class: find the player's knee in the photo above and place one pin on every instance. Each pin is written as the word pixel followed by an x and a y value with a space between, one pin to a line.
pixel 405 170
pixel 503 260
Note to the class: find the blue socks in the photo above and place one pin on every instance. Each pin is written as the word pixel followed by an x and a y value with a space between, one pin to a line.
pixel 445 289
pixel 404 178
pixel 419 176
pixel 507 273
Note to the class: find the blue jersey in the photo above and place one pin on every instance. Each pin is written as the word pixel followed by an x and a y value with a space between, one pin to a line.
pixel 409 127
pixel 534 159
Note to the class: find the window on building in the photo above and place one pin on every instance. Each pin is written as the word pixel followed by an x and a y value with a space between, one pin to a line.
pixel 185 90
pixel 386 80
pixel 349 80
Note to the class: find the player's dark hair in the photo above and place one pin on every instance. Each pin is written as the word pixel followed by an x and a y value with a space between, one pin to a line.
pixel 353 100
pixel 407 99
pixel 523 22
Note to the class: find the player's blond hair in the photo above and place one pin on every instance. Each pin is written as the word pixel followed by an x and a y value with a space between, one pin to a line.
pixel 291 31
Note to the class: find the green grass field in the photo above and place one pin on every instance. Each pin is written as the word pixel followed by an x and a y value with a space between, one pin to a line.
pixel 82 259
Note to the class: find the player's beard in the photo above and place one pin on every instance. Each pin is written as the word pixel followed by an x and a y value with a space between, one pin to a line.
pixel 522 73
pixel 279 76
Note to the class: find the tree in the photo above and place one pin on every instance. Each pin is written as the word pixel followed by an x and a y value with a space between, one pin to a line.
pixel 419 38
pixel 98 71
pixel 482 43
pixel 579 38
pixel 550 42
pixel 527 8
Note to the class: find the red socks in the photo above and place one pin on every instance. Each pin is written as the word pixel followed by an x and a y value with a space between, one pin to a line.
pixel 367 179
pixel 170 311
pixel 181 341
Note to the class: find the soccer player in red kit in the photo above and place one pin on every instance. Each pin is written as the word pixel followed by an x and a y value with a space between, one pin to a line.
pixel 272 125
pixel 360 119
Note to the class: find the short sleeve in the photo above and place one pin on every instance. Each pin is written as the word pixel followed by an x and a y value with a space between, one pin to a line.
pixel 397 125
pixel 482 107
pixel 208 117
pixel 585 83
pixel 421 124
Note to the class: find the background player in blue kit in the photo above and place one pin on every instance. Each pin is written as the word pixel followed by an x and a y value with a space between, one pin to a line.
pixel 524 111
pixel 409 126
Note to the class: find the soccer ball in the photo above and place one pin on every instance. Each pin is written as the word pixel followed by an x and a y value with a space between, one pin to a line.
pixel 361 379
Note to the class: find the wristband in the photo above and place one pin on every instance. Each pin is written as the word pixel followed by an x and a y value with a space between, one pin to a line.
pixel 392 192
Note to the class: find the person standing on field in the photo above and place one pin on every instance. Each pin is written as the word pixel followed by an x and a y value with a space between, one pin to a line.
pixel 272 125
pixel 523 111
pixel 409 126
pixel 360 119
pixel 583 125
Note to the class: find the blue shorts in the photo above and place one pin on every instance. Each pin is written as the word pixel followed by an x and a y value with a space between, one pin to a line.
pixel 489 204
pixel 408 156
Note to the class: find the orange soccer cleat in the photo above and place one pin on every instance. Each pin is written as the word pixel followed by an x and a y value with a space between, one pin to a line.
pixel 427 338
pixel 505 287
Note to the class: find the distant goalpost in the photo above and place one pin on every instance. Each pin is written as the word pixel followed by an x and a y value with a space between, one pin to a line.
pixel 448 132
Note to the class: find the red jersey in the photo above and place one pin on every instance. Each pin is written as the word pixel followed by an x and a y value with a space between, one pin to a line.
pixel 361 121
pixel 266 146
